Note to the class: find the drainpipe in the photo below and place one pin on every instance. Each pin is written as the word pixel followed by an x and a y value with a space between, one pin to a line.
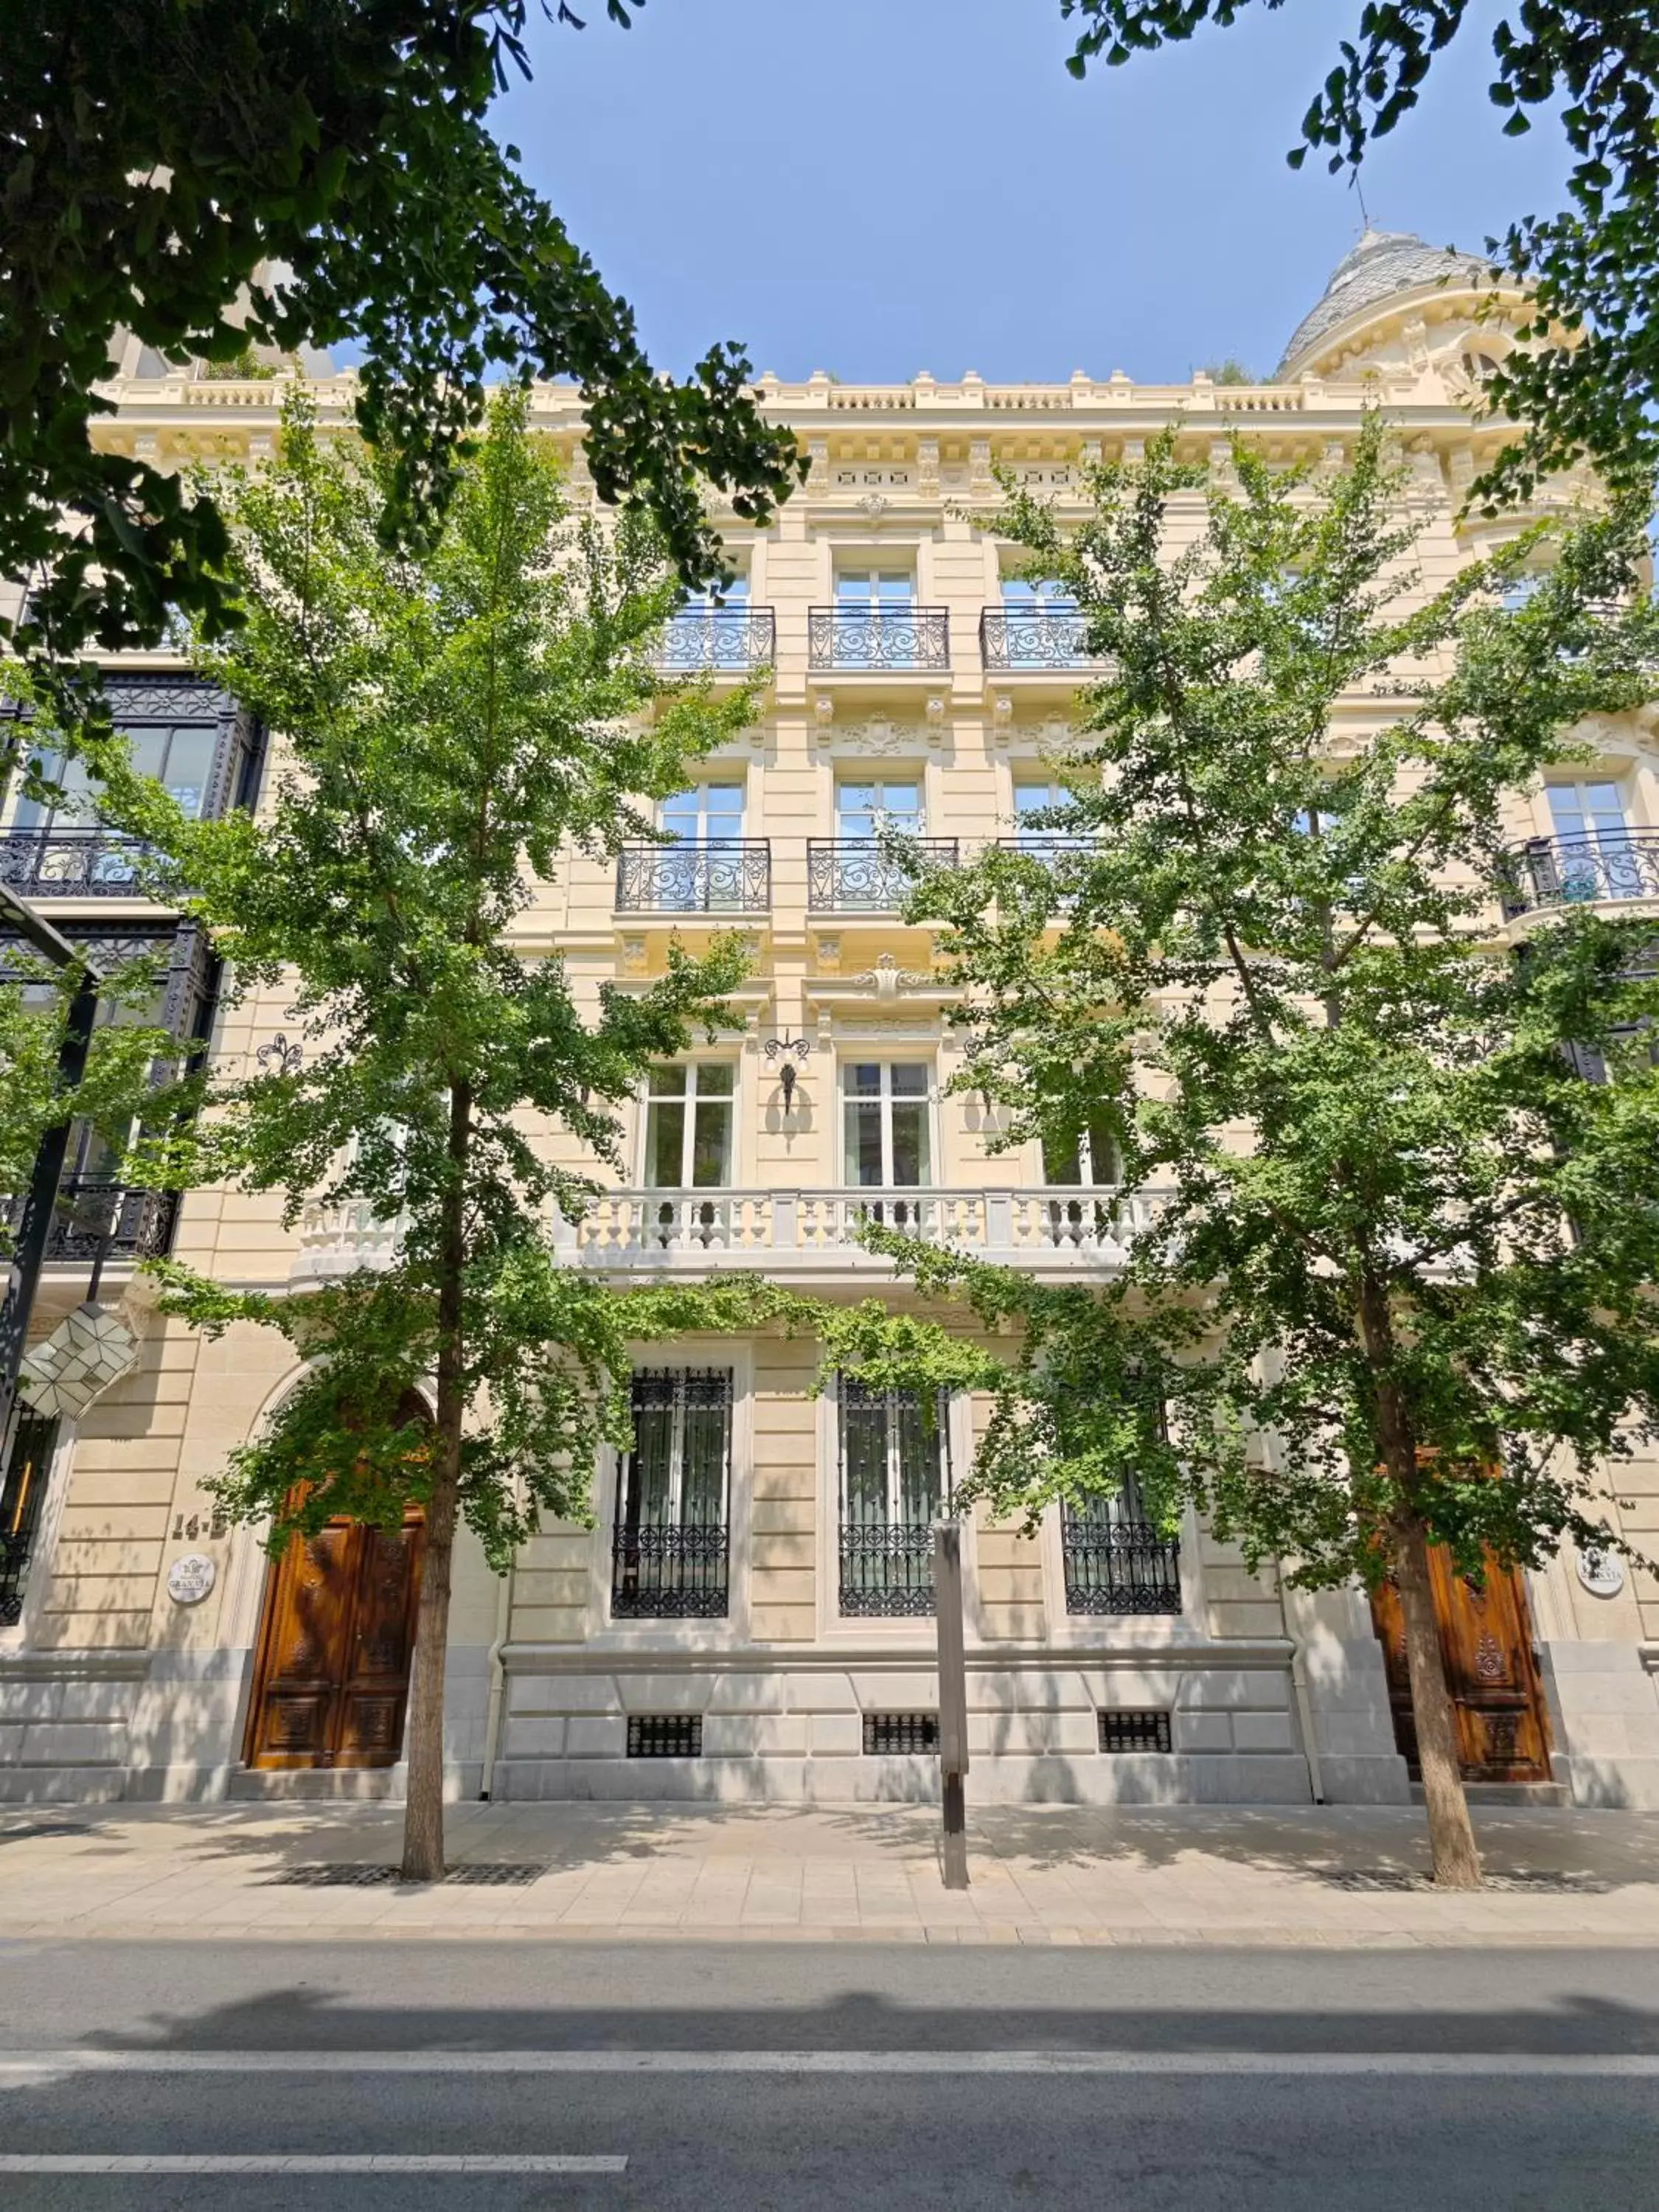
pixel 497 1682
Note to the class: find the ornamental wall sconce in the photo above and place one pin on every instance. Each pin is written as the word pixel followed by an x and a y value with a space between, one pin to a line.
pixel 783 1052
pixel 279 1057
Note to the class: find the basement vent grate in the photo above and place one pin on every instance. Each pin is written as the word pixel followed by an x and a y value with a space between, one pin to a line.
pixel 664 1736
pixel 346 1874
pixel 1135 1731
pixel 895 1733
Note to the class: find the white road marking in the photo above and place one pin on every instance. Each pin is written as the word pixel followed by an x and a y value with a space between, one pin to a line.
pixel 18 2068
pixel 279 2162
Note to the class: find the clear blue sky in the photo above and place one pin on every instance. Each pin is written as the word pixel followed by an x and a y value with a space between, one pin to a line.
pixel 876 187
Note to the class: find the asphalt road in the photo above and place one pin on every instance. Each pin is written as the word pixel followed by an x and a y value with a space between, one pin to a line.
pixel 751 2078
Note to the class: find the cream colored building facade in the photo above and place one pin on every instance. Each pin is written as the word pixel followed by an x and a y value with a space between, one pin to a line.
pixel 781 1652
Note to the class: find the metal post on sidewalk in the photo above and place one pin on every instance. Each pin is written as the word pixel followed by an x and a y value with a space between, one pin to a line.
pixel 952 1699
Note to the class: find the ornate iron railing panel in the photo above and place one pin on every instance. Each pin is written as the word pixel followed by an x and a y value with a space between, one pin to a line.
pixel 707 640
pixel 15 1553
pixel 887 1569
pixel 94 1216
pixel 1121 1566
pixel 1579 871
pixel 669 1574
pixel 861 874
pixel 730 875
pixel 1012 640
pixel 880 639
pixel 70 864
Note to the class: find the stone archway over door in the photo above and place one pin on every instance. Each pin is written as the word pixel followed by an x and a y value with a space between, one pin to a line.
pixel 1485 1639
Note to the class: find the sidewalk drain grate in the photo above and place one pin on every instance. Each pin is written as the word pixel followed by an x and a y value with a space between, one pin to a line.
pixel 1546 1885
pixel 471 1874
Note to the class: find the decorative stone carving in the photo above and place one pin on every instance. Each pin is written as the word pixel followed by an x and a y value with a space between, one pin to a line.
pixel 887 979
pixel 884 739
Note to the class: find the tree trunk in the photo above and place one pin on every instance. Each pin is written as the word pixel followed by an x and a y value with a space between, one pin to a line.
pixel 423 1809
pixel 1451 1834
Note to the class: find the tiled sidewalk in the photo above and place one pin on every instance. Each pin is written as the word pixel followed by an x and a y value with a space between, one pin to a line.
pixel 1042 1874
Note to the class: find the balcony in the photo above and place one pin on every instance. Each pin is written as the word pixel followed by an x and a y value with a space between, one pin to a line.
pixel 886 1569
pixel 863 875
pixel 734 641
pixel 1554 871
pixel 726 876
pixel 1034 640
pixel 878 640
pixel 96 1219
pixel 671 1573
pixel 694 1230
pixel 338 1240
pixel 1119 1566
pixel 70 864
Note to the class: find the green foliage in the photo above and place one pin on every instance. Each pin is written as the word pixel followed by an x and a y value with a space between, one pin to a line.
pixel 287 173
pixel 1230 370
pixel 1388 1256
pixel 454 724
pixel 1586 381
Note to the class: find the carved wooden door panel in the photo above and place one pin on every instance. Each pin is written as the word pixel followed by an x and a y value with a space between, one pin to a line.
pixel 1485 1639
pixel 376 1688
pixel 332 1674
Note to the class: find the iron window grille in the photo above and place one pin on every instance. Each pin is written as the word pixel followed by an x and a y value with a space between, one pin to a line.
pixel 704 640
pixel 1133 1731
pixel 1547 872
pixel 896 1736
pixel 895 1484
pixel 1116 1560
pixel 664 1736
pixel 22 1499
pixel 671 1546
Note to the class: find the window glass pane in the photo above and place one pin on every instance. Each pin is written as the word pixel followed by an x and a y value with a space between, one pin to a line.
pixel 665 1145
pixel 715 1079
pixel 647 1478
pixel 921 1448
pixel 148 751
pixel 1102 1146
pixel 863 1080
pixel 863 1457
pixel 909 1079
pixel 190 769
pixel 702 1475
pixel 864 1162
pixel 1035 798
pixel 855 809
pixel 711 1151
pixel 911 1161
pixel 1062 1164
pixel 901 803
pixel 724 811
pixel 895 587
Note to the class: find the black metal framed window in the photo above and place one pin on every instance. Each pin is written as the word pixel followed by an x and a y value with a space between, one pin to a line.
pixel 1133 1731
pixel 1116 1560
pixel 205 751
pixel 894 1483
pixel 22 1501
pixel 97 1215
pixel 671 1547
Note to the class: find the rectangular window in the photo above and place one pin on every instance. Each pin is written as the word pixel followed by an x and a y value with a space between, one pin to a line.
pixel 1116 1560
pixel 895 1482
pixel 707 814
pixel 870 808
pixel 875 591
pixel 688 1125
pixel 23 1499
pixel 887 1110
pixel 1595 856
pixel 671 1546
pixel 875 619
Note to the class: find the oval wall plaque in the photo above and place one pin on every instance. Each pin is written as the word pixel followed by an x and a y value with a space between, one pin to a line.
pixel 190 1578
pixel 1602 1573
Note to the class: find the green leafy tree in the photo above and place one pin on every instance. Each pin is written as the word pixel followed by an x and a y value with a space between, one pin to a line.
pixel 280 174
pixel 1389 1257
pixel 454 724
pixel 1585 377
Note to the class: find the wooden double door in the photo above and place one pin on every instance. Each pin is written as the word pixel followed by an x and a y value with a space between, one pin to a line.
pixel 1485 1640
pixel 331 1676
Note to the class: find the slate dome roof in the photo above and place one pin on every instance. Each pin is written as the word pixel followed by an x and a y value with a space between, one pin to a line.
pixel 1384 262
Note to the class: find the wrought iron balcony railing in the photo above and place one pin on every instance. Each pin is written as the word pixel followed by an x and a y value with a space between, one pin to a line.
pixel 1119 1566
pixel 730 875
pixel 93 1217
pixel 669 1573
pixel 881 640
pixel 70 864
pixel 862 875
pixel 1012 642
pixel 1051 846
pixel 1579 871
pixel 712 641
pixel 887 1568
